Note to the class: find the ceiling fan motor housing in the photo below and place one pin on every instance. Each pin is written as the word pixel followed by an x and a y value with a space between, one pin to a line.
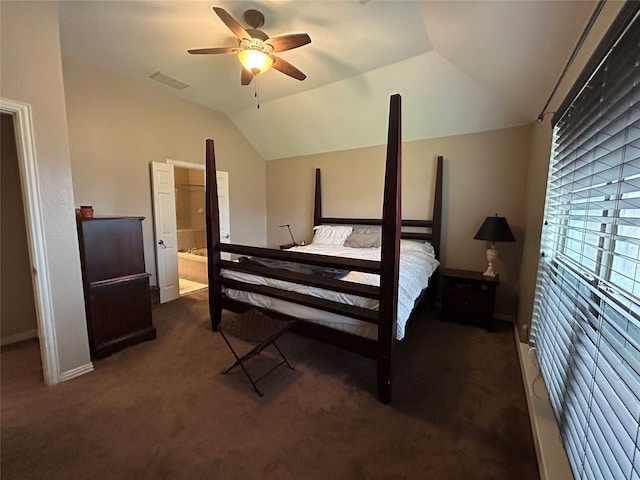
pixel 254 18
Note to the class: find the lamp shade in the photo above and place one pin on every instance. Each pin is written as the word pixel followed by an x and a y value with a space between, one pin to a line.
pixel 255 61
pixel 495 229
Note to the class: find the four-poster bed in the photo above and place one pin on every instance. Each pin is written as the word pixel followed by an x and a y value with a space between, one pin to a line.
pixel 385 268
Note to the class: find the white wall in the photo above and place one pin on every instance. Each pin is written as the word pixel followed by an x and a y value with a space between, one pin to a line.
pixel 31 72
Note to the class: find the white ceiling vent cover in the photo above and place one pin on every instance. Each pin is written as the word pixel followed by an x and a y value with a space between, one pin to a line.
pixel 167 80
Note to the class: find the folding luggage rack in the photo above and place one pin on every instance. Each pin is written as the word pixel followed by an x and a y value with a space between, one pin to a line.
pixel 255 327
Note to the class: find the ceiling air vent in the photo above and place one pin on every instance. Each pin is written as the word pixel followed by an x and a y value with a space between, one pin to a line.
pixel 167 80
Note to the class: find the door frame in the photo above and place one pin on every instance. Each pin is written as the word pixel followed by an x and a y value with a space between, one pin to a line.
pixel 34 220
pixel 191 166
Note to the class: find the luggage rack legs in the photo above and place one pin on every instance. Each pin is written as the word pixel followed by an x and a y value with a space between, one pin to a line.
pixel 269 340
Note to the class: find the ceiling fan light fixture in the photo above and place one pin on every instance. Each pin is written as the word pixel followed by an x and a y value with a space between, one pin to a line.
pixel 254 60
pixel 255 49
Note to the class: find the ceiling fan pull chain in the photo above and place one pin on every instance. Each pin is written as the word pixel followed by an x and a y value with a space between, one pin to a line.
pixel 257 92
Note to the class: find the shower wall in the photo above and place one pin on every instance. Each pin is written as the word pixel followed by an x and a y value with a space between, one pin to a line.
pixel 190 208
pixel 190 238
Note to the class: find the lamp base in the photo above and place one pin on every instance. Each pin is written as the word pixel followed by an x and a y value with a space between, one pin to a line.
pixel 489 271
pixel 492 254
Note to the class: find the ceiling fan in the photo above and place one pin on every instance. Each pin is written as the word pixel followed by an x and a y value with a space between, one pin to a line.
pixel 255 48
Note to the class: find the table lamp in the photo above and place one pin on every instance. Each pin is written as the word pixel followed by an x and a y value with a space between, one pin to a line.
pixel 494 229
pixel 293 240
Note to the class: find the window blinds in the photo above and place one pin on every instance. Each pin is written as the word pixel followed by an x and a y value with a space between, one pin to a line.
pixel 586 315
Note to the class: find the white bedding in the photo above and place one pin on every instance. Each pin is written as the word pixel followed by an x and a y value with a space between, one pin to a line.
pixel 416 266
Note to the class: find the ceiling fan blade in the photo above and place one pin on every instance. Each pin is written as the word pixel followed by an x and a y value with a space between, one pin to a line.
pixel 210 51
pixel 230 22
pixel 286 68
pixel 281 43
pixel 245 77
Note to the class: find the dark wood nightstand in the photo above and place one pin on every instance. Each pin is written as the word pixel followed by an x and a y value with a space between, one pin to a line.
pixel 468 296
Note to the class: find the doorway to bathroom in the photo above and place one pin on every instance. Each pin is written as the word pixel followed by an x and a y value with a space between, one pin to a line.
pixel 179 192
pixel 191 229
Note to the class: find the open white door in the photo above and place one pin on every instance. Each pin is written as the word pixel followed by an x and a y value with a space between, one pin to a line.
pixel 222 179
pixel 164 214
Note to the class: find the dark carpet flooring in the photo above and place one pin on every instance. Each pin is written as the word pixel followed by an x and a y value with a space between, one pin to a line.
pixel 162 409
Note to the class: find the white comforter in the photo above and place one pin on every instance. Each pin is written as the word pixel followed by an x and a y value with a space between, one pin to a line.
pixel 417 264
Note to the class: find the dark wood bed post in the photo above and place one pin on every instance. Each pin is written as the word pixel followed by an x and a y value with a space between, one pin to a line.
pixel 436 227
pixel 390 256
pixel 213 236
pixel 317 203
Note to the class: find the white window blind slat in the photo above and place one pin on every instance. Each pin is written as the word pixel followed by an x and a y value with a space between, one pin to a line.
pixel 623 382
pixel 614 429
pixel 636 463
pixel 617 463
pixel 589 475
pixel 599 460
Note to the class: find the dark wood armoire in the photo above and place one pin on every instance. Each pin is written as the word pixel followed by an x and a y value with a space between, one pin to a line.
pixel 116 286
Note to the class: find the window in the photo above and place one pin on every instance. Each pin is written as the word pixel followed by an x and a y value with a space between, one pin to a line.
pixel 586 316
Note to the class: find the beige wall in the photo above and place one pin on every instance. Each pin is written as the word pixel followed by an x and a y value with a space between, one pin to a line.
pixel 17 307
pixel 535 199
pixel 485 173
pixel 116 127
pixel 31 72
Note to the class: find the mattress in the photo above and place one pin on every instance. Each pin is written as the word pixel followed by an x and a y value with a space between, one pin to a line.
pixel 417 264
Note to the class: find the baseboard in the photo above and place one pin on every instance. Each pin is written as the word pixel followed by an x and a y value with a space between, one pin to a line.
pixel 505 317
pixel 76 372
pixel 19 337
pixel 552 457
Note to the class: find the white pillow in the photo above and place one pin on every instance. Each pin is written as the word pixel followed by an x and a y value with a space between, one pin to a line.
pixel 331 234
pixel 413 246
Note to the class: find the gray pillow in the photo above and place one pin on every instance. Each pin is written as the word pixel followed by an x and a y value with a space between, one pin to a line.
pixel 364 237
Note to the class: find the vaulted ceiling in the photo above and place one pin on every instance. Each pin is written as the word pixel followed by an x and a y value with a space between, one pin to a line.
pixel 460 66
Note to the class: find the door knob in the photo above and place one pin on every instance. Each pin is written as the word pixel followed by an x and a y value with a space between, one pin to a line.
pixel 161 243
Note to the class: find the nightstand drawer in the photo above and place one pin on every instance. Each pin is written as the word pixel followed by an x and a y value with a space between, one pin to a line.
pixel 468 296
pixel 469 303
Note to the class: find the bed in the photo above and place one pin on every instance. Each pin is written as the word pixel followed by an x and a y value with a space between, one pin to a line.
pixel 417 264
pixel 364 311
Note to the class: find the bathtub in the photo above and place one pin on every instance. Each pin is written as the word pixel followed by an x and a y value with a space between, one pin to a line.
pixel 193 266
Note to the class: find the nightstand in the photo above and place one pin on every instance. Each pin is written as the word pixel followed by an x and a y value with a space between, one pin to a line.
pixel 468 296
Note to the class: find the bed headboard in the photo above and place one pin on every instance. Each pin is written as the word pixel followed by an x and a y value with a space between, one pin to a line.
pixel 433 227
